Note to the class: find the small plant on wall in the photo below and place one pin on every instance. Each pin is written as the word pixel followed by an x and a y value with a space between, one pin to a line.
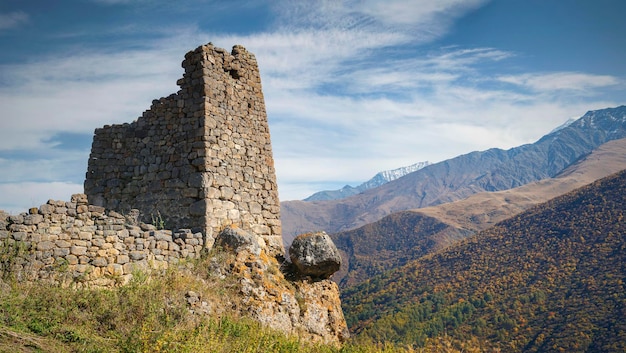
pixel 158 221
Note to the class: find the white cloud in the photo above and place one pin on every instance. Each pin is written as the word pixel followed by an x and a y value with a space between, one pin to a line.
pixel 556 81
pixel 425 20
pixel 428 14
pixel 13 19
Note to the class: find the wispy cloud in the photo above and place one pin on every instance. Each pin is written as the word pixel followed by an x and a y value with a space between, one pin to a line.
pixel 13 19
pixel 560 81
pixel 432 16
pixel 79 93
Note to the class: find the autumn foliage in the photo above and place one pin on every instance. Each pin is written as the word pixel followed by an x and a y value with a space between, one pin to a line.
pixel 548 280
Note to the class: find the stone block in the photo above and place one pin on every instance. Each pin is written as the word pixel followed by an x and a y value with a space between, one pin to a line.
pixel 79 242
pixel 45 245
pixel 63 243
pixel 80 199
pixel 82 268
pixel 115 269
pixel 61 252
pixel 78 250
pixel 71 259
pixel 122 259
pixel 100 262
pixel 163 235
pixel 46 209
pixel 33 219
pixel 163 245
pixel 137 255
pixel 18 219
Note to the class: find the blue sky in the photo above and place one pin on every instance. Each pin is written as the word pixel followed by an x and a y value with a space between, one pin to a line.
pixel 351 87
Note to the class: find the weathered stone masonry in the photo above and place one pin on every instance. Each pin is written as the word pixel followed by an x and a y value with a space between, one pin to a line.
pixel 199 159
pixel 74 242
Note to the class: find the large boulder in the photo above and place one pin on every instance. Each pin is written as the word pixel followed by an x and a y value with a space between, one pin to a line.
pixel 315 255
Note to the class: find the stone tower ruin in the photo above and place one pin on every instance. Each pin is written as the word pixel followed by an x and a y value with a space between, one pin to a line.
pixel 200 158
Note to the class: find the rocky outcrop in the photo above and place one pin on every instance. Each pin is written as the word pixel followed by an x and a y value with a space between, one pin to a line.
pixel 276 294
pixel 315 254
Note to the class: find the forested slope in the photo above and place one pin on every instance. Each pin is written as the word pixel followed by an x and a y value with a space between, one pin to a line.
pixel 549 279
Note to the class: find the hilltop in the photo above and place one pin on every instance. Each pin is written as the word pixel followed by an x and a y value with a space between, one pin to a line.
pixel 377 180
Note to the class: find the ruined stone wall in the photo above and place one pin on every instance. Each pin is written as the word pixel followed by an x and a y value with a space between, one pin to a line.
pixel 199 159
pixel 74 242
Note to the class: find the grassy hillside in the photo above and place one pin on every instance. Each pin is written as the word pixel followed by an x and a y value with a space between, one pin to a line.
pixel 549 279
pixel 151 314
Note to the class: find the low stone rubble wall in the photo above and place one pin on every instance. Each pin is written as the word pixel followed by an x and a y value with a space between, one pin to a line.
pixel 74 242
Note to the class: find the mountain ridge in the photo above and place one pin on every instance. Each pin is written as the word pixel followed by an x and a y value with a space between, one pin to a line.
pixel 459 177
pixel 377 180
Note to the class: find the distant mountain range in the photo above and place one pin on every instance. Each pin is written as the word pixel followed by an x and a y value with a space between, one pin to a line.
pixel 408 235
pixel 550 279
pixel 379 179
pixel 460 177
